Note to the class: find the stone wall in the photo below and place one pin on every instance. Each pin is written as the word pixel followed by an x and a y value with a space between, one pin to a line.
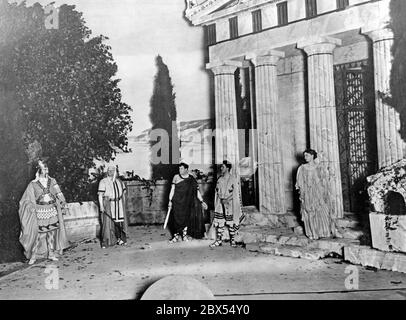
pixel 82 221
pixel 149 205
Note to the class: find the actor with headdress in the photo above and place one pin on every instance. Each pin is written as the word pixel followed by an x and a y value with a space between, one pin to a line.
pixel 226 205
pixel 111 194
pixel 41 214
pixel 186 203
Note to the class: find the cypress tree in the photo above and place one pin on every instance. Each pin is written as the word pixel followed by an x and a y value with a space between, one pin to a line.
pixel 163 116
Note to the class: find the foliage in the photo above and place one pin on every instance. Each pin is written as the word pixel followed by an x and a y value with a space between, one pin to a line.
pixel 200 175
pixel 63 83
pixel 163 113
pixel 148 185
pixel 13 172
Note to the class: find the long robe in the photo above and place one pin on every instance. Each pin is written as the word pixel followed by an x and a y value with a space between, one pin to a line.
pixel 186 209
pixel 29 222
pixel 315 208
pixel 115 209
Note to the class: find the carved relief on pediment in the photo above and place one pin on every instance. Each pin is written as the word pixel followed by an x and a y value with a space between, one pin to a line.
pixel 196 9
pixel 200 7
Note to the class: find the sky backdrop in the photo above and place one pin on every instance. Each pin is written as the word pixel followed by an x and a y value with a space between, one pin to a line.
pixel 138 30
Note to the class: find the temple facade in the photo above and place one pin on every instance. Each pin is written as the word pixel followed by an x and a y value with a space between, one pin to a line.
pixel 300 74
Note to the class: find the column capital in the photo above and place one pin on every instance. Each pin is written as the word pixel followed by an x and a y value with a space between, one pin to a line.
pixel 379 34
pixel 224 67
pixel 319 45
pixel 269 57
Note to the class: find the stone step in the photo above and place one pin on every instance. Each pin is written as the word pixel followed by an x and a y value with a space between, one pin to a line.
pixel 347 222
pixel 252 234
pixel 289 251
pixel 351 233
pixel 368 257
pixel 255 217
pixel 258 235
pixel 352 220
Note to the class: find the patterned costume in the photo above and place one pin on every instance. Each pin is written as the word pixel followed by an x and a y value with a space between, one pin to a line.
pixel 114 219
pixel 42 227
pixel 227 209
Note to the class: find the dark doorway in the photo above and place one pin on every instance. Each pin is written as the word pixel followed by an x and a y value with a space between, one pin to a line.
pixel 355 102
pixel 395 204
pixel 245 95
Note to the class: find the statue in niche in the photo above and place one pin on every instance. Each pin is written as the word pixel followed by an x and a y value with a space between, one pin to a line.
pixel 315 204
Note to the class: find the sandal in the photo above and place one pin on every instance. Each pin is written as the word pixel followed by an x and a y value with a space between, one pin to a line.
pixel 216 243
pixel 174 239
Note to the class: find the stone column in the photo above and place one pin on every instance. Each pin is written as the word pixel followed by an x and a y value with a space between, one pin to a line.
pixel 389 141
pixel 226 133
pixel 322 112
pixel 226 114
pixel 270 169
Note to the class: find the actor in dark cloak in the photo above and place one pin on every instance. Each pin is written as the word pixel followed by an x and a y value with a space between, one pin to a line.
pixel 187 206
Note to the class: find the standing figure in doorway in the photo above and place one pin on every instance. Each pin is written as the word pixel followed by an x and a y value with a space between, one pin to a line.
pixel 112 197
pixel 41 215
pixel 226 205
pixel 186 203
pixel 315 205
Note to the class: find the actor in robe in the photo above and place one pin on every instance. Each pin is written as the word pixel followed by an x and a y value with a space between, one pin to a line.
pixel 112 197
pixel 41 215
pixel 186 205
pixel 227 205
pixel 313 184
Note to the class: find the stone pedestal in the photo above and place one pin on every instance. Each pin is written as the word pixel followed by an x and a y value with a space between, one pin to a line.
pixel 270 168
pixel 389 141
pixel 322 112
pixel 388 232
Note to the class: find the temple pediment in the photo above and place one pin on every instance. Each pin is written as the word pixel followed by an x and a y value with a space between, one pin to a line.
pixel 204 11
pixel 197 10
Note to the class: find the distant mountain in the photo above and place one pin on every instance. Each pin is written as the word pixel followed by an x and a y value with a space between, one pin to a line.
pixel 187 130
pixel 195 150
pixel 141 138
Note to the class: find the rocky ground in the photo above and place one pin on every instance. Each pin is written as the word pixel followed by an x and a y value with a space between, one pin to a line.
pixel 86 271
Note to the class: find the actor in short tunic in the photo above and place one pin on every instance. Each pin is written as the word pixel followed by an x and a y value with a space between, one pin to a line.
pixel 227 206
